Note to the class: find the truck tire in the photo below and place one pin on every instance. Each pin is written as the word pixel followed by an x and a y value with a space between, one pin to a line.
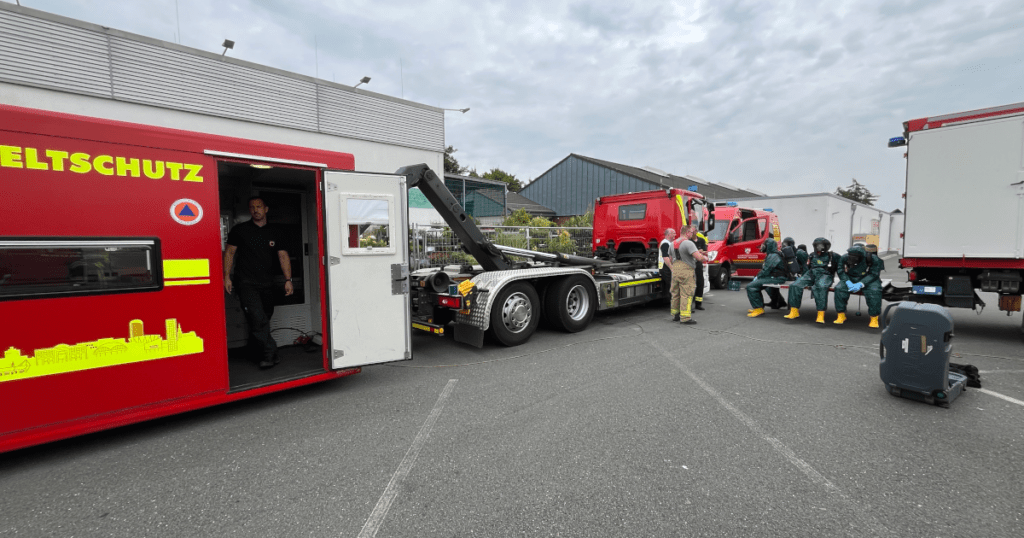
pixel 722 280
pixel 515 314
pixel 570 303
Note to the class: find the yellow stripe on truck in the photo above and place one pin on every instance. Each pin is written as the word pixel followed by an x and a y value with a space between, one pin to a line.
pixel 187 269
pixel 638 282
pixel 186 282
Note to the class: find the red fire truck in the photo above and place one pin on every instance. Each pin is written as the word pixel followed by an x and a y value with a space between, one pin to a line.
pixel 111 275
pixel 629 227
pixel 734 246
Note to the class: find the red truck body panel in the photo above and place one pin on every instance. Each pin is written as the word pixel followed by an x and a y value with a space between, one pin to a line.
pixel 94 183
pixel 743 257
pixel 639 218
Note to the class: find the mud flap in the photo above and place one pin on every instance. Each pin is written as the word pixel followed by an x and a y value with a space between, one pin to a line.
pixel 468 334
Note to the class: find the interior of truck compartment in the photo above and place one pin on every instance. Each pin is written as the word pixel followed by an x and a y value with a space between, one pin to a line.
pixel 290 195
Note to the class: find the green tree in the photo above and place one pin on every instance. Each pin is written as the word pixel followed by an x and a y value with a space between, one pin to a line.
pixel 518 217
pixel 857 193
pixel 451 164
pixel 497 174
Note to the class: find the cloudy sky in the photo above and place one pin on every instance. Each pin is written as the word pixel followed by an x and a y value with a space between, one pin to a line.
pixel 783 97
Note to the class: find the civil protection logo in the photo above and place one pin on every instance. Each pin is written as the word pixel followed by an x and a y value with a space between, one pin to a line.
pixel 186 211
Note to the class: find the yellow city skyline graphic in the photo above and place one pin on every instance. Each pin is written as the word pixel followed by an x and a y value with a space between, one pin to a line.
pixel 138 347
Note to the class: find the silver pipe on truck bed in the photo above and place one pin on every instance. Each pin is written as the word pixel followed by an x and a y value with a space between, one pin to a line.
pixel 567 259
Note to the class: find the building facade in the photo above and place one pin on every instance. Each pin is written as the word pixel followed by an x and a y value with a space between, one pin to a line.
pixel 571 186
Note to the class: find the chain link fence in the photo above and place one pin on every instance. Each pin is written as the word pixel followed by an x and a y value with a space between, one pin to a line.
pixel 432 246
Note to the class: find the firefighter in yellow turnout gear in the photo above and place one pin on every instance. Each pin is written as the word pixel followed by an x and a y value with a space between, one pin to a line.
pixel 698 272
pixel 685 256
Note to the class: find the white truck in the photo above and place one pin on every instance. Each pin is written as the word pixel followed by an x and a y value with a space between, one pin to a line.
pixel 968 163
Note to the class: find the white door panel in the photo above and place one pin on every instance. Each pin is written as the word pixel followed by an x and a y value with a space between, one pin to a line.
pixel 367 236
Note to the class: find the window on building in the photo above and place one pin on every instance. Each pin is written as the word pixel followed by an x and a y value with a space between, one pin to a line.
pixel 42 267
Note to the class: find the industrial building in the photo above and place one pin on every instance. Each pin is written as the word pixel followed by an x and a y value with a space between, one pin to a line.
pixel 60 64
pixel 490 201
pixel 570 187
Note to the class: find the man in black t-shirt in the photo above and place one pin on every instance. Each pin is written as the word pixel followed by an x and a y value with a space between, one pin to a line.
pixel 258 247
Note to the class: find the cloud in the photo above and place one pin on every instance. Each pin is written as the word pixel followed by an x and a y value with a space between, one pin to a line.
pixel 781 97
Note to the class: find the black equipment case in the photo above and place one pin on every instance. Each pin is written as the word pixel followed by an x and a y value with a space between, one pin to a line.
pixel 915 349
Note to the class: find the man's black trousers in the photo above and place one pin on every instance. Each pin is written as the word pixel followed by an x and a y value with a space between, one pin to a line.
pixel 258 303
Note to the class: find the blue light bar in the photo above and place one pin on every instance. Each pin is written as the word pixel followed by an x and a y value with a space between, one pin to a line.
pixel 897 141
pixel 692 188
pixel 731 204
pixel 768 209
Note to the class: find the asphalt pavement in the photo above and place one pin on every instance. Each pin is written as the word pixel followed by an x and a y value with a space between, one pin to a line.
pixel 637 426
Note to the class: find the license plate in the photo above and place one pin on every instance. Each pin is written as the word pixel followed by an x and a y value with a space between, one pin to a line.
pixel 927 290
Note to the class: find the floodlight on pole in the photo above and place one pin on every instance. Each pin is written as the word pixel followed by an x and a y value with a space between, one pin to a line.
pixel 463 110
pixel 364 80
pixel 228 44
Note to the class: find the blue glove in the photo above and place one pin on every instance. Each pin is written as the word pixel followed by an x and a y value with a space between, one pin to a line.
pixel 857 287
pixel 849 285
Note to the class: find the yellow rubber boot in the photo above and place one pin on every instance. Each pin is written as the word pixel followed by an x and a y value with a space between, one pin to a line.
pixel 874 322
pixel 821 316
pixel 755 312
pixel 793 313
pixel 840 319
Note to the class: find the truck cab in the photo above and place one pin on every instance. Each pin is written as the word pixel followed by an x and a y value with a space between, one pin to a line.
pixel 734 245
pixel 629 227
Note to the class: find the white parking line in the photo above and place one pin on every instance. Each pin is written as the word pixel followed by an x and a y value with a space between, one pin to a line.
pixel 380 511
pixel 997 395
pixel 872 525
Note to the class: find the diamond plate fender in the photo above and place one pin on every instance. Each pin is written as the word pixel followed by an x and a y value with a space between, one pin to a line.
pixel 487 286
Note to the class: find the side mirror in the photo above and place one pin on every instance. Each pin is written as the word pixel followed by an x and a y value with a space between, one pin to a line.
pixel 710 223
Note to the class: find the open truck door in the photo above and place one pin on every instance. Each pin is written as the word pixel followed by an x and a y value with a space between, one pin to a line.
pixel 367 268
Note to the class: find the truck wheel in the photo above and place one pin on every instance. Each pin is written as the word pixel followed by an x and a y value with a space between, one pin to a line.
pixel 722 280
pixel 570 304
pixel 515 313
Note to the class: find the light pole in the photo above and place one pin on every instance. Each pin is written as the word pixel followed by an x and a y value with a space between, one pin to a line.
pixel 463 110
pixel 364 80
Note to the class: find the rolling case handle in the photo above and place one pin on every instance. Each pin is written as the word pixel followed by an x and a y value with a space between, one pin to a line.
pixel 885 314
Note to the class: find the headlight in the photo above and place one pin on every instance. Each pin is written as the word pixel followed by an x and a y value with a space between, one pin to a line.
pixel 712 255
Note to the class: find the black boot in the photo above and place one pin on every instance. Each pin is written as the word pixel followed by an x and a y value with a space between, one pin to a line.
pixel 698 305
pixel 675 317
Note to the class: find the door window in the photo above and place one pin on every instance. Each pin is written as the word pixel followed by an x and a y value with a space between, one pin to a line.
pixel 751 230
pixel 368 220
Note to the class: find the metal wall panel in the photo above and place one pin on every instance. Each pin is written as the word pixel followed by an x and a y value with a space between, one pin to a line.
pixel 52 55
pixel 153 75
pixel 570 187
pixel 43 50
pixel 355 115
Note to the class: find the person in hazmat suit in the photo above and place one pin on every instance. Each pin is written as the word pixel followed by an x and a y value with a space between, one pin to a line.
pixel 858 270
pixel 772 272
pixel 801 255
pixel 822 267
